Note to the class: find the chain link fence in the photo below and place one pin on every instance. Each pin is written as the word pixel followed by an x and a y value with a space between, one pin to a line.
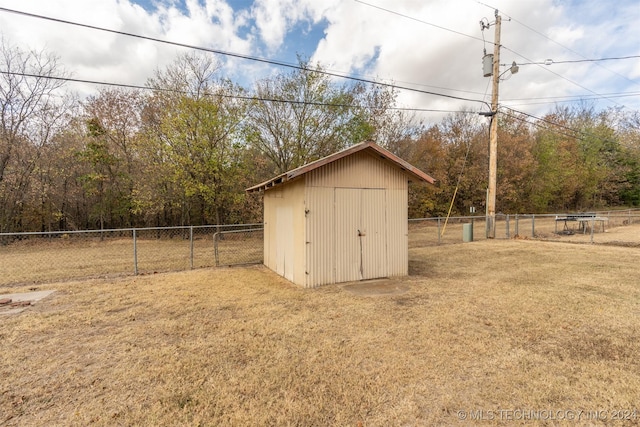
pixel 54 256
pixel 605 227
pixel 237 247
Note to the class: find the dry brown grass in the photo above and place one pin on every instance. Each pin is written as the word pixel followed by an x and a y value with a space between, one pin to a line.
pixel 485 326
pixel 35 262
pixel 59 260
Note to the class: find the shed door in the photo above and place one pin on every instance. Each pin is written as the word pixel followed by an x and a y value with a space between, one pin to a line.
pixel 360 235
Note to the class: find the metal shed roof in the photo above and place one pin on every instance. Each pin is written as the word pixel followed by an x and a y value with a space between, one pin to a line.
pixel 374 148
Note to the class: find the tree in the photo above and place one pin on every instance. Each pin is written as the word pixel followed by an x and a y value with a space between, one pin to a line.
pixel 602 159
pixel 193 120
pixel 629 136
pixel 59 198
pixel 302 117
pixel 111 154
pixel 516 164
pixel 379 120
pixel 427 153
pixel 580 163
pixel 32 111
pixel 466 164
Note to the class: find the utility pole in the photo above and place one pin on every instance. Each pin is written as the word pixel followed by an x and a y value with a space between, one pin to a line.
pixel 493 135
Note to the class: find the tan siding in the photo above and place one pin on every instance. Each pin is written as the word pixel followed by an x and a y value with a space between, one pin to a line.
pixel 360 192
pixel 374 233
pixel 322 213
pixel 320 236
pixel 397 243
pixel 284 231
pixel 269 229
pixel 361 170
pixel 347 214
pixel 360 234
pixel 285 249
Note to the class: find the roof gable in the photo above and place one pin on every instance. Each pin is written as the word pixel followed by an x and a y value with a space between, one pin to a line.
pixel 396 161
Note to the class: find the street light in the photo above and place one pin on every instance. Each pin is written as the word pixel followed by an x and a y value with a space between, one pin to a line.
pixel 514 68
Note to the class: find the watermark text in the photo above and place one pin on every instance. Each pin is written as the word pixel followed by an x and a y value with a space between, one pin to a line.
pixel 520 414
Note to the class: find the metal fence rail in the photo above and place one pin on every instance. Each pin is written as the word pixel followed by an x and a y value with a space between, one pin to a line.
pixel 432 231
pixel 53 256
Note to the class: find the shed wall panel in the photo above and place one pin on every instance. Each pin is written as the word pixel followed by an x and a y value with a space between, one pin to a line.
pixel 338 206
pixel 315 239
pixel 299 224
pixel 347 217
pixel 284 224
pixel 360 234
pixel 397 233
pixel 373 233
pixel 320 244
pixel 285 249
pixel 269 228
pixel 361 170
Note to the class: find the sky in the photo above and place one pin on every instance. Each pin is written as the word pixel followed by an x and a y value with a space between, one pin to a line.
pixel 432 46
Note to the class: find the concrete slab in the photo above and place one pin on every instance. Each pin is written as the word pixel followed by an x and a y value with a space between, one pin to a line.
pixel 19 301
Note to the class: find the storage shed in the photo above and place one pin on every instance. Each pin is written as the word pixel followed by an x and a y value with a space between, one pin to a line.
pixel 341 218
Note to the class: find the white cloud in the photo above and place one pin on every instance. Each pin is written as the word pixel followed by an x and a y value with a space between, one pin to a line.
pixel 437 60
pixel 275 18
pixel 566 35
pixel 357 38
pixel 98 55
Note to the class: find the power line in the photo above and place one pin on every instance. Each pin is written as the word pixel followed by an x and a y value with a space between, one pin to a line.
pixel 560 44
pixel 547 69
pixel 563 100
pixel 235 96
pixel 238 55
pixel 580 133
pixel 565 78
pixel 536 124
pixel 551 61
pixel 611 94
pixel 552 72
pixel 577 98
pixel 542 119
pixel 123 33
pixel 482 39
pixel 419 20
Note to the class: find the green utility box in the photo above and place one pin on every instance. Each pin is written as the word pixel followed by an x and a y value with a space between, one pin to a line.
pixel 467 232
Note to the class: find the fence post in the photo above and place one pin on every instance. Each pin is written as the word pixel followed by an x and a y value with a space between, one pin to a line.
pixel 507 225
pixel 533 226
pixel 517 232
pixel 439 235
pixel 191 244
pixel 593 224
pixel 215 249
pixel 135 253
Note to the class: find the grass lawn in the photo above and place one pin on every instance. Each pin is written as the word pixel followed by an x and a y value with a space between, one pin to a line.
pixel 489 328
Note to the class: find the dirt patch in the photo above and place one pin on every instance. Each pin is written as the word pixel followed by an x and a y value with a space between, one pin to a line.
pixel 377 287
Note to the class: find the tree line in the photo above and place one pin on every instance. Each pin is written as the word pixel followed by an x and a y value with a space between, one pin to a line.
pixel 182 151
